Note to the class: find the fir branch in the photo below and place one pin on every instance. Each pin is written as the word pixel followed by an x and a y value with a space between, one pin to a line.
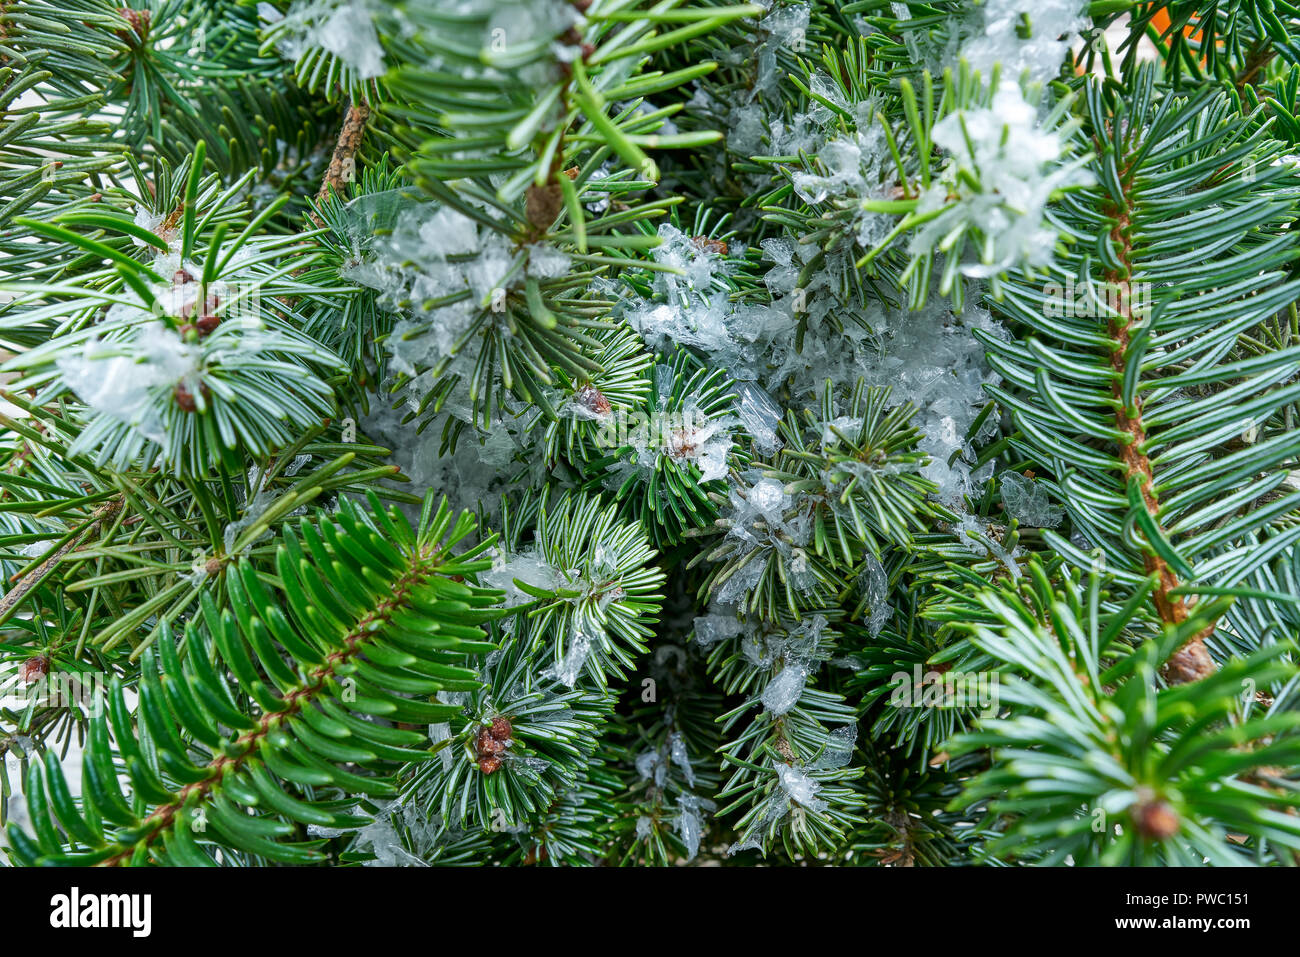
pixel 313 685
pixel 816 245
pixel 312 669
pixel 15 595
pixel 1192 661
pixel 342 165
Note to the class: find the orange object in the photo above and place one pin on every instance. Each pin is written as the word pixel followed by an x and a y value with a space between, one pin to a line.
pixel 1162 22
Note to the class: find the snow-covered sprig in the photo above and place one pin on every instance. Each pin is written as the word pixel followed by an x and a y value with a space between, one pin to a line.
pixel 473 300
pixel 336 45
pixel 1027 40
pixel 179 352
pixel 764 560
pixel 992 159
pixel 667 461
pixel 672 740
pixel 154 397
pixel 586 583
pixel 338 308
pixel 845 484
pixel 517 743
pixel 527 125
pixel 790 761
pixel 858 461
pixel 588 405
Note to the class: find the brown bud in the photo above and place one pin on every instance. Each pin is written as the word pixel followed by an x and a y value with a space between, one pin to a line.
pixel 1189 663
pixel 1155 820
pixel 542 204
pixel 711 245
pixel 593 400
pixel 184 398
pixel 681 443
pixel 209 321
pixel 34 669
pixel 501 729
pixel 489 764
pixel 486 745
pixel 139 21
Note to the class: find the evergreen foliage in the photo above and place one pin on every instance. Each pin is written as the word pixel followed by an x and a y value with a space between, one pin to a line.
pixel 572 432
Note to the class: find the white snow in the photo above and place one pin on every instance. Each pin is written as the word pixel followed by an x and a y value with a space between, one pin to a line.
pixel 783 692
pixel 131 379
pixel 345 28
pixel 1053 26
pixel 1003 167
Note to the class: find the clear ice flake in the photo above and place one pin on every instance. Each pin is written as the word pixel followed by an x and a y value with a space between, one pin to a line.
pixel 690 821
pixel 345 28
pixel 839 748
pixel 1028 502
pixel 576 653
pixel 677 752
pixel 783 692
pixel 715 627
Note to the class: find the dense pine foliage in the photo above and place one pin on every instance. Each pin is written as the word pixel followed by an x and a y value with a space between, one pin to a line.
pixel 562 432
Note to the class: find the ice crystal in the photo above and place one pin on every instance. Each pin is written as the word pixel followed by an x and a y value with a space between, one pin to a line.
pixel 690 821
pixel 1027 502
pixel 1025 36
pixel 783 692
pixel 127 379
pixel 345 28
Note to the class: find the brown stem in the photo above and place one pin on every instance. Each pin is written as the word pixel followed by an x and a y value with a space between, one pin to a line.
pixel 904 854
pixel 1255 62
pixel 345 152
pixel 1191 661
pixel 37 574
pixel 246 745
